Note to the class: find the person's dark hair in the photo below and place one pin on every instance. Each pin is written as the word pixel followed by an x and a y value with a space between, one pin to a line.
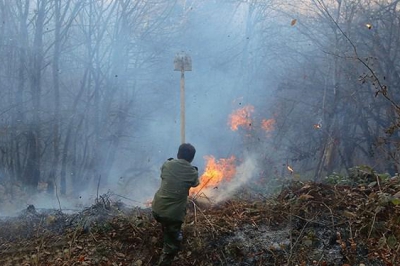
pixel 186 151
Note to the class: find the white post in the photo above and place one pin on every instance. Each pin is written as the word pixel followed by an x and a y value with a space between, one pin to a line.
pixel 182 63
pixel 182 106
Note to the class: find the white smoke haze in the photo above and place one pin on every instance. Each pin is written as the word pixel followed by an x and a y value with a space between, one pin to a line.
pixel 133 188
pixel 227 189
pixel 122 120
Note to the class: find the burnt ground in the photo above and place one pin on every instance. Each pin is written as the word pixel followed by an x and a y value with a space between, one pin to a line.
pixel 306 224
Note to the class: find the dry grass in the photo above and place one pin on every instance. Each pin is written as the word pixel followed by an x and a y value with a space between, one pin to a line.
pixel 304 225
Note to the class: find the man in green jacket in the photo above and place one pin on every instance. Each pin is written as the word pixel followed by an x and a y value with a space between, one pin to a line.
pixel 169 203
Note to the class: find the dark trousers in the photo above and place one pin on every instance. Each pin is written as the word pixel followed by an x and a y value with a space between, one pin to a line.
pixel 172 239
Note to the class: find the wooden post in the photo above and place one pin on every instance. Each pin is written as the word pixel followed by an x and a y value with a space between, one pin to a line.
pixel 182 106
pixel 182 63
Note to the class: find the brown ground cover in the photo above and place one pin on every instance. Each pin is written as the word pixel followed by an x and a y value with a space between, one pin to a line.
pixel 306 224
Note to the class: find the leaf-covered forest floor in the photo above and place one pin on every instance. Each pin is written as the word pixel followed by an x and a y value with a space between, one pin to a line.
pixel 306 224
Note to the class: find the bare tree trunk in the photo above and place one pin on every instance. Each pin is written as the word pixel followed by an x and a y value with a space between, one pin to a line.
pixel 330 150
pixel 23 10
pixel 68 136
pixel 56 91
pixel 62 26
pixel 32 171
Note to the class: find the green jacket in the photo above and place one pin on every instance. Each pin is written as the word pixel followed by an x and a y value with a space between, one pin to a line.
pixel 177 177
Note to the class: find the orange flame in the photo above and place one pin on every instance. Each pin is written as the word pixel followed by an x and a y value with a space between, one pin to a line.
pixel 148 203
pixel 268 124
pixel 290 169
pixel 216 171
pixel 241 117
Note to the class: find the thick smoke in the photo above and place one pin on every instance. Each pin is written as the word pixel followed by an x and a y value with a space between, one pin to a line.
pixel 215 35
pixel 226 190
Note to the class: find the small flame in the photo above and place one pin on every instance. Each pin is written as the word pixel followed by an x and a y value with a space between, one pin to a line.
pixel 216 171
pixel 148 203
pixel 241 117
pixel 268 124
pixel 290 169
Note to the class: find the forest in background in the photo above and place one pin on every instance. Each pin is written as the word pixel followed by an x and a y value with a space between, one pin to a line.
pixel 88 90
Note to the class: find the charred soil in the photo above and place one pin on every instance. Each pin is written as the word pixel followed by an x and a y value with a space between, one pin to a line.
pixel 306 224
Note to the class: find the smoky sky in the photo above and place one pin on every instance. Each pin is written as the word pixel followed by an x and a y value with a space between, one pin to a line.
pixel 238 57
pixel 213 35
pixel 221 81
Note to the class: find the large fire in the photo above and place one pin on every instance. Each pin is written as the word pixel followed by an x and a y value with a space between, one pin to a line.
pixel 241 117
pixel 223 170
pixel 216 171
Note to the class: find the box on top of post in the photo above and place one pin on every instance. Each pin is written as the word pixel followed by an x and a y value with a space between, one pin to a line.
pixel 182 62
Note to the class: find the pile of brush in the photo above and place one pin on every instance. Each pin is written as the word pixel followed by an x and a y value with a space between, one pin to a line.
pixel 306 224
